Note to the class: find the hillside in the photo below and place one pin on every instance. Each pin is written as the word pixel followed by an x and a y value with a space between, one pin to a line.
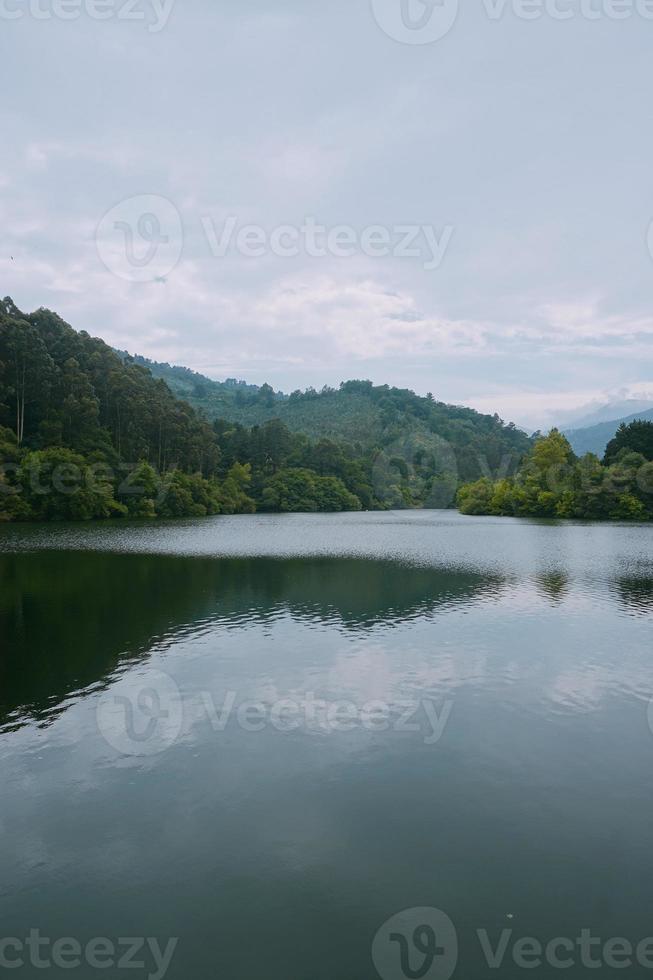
pixel 216 399
pixel 87 432
pixel 61 387
pixel 595 438
pixel 393 420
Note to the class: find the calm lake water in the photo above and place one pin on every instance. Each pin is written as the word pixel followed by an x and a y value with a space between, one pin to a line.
pixel 266 736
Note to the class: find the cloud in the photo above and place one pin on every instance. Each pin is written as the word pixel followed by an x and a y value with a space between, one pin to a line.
pixel 273 113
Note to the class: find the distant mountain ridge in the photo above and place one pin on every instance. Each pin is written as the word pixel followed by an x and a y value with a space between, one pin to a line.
pixel 359 413
pixel 595 438
pixel 609 412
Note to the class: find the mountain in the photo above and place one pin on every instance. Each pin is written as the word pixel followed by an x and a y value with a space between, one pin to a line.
pixel 374 418
pixel 87 432
pixel 581 418
pixel 61 387
pixel 594 438
pixel 215 398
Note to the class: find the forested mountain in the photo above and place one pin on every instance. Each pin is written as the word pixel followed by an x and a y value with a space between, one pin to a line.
pixel 367 416
pixel 59 387
pixel 595 438
pixel 84 435
pixel 216 399
pixel 87 432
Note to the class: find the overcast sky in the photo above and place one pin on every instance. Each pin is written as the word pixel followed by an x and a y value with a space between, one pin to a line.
pixel 512 157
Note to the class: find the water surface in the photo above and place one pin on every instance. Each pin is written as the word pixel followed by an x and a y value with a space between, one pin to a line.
pixel 518 794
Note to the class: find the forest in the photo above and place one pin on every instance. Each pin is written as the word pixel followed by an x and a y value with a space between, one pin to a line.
pixel 372 418
pixel 553 482
pixel 87 432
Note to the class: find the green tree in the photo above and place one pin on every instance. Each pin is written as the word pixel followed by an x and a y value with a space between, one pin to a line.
pixel 636 437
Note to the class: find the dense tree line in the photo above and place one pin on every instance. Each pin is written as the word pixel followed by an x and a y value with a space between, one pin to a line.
pixel 86 433
pixel 553 482
pixel 371 418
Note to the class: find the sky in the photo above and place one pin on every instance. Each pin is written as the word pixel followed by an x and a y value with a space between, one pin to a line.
pixel 450 197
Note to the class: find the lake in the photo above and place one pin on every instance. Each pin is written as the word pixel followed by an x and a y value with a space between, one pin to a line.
pixel 326 747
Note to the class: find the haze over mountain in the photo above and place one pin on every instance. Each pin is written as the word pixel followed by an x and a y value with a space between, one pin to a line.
pixel 618 409
pixel 595 438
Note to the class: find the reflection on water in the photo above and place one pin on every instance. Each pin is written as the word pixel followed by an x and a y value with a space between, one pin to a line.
pixel 69 618
pixel 636 593
pixel 554 584
pixel 281 853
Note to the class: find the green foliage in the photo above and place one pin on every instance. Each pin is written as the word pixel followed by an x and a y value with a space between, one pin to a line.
pixel 86 434
pixel 60 485
pixel 233 497
pixel 302 490
pixel 63 388
pixel 553 483
pixel 636 437
pixel 364 416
